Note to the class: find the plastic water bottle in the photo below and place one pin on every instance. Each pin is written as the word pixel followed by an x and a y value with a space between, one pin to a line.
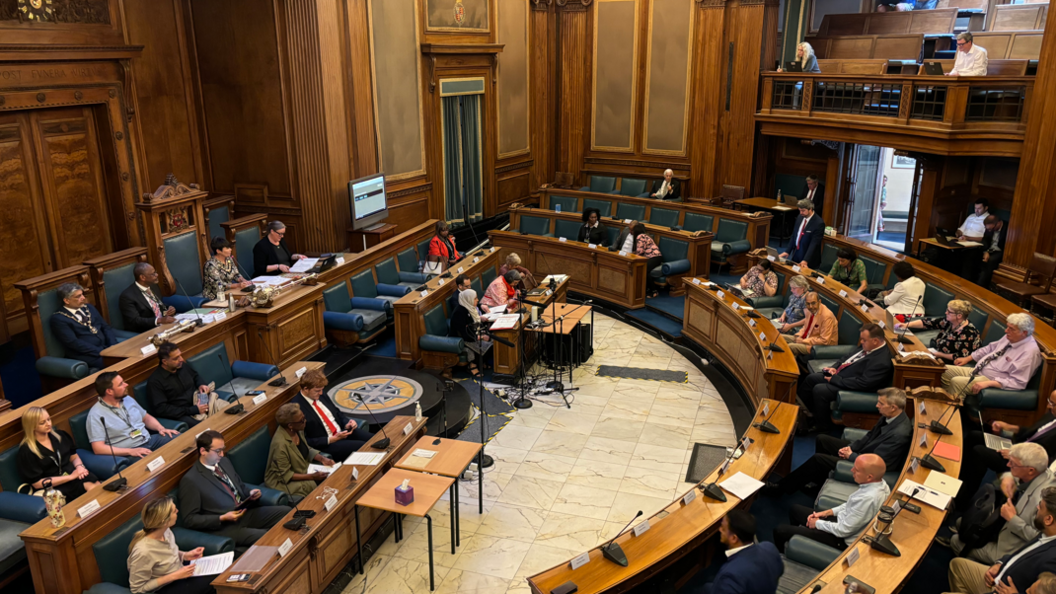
pixel 417 411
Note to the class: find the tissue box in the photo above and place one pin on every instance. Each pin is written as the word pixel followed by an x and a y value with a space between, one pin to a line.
pixel 405 496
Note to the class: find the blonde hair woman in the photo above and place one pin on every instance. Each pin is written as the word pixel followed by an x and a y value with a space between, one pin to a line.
pixel 806 59
pixel 513 262
pixel 155 563
pixel 49 454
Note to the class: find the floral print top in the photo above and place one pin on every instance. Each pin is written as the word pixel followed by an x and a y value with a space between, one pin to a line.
pixel 959 343
pixel 645 246
pixel 795 308
pixel 219 276
pixel 755 281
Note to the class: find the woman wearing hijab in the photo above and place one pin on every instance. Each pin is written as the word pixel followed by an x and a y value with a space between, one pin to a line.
pixel 463 324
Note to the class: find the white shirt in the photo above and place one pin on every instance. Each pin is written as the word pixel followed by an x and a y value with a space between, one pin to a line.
pixel 733 552
pixel 970 63
pixel 973 225
pixel 810 195
pixel 628 245
pixel 664 189
pixel 904 296
pixel 77 314
pixel 1004 567
pixel 318 406
pixel 854 516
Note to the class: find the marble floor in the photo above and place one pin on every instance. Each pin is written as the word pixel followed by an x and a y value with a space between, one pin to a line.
pixel 564 480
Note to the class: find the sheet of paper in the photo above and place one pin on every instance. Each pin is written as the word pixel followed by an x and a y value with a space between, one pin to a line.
pixel 304 265
pixel 213 564
pixel 943 483
pixel 320 468
pixel 365 458
pixel 932 497
pixel 969 243
pixel 269 281
pixel 741 485
pixel 416 462
pixel 497 310
pixel 424 453
pixel 506 322
pixel 782 207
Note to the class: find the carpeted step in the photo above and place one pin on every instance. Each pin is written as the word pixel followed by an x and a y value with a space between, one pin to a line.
pixel 659 322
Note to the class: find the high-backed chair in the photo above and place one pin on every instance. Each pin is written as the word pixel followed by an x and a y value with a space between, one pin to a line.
pixel 250 459
pixel 439 351
pixel 388 274
pixel 935 300
pixel 634 212
pixel 345 324
pixel 674 265
pixel 1025 399
pixel 408 261
pixel 804 559
pixel 665 217
pixel 695 221
pixel 874 271
pixel 423 253
pixel 604 207
pixel 775 302
pixel 103 467
pixel 848 332
pixel 42 300
pixel 612 235
pixel 840 485
pixel 184 262
pixel 601 183
pixel 535 226
pixel 564 204
pixel 487 275
pixel 111 275
pixel 1042 268
pixel 730 240
pixel 634 188
pixel 728 195
pixel 364 287
pixel 567 229
pixel 217 212
pixel 244 233
pixel 477 285
pixel 231 378
pixel 994 332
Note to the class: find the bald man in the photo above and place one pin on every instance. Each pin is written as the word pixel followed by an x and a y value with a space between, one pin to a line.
pixel 841 525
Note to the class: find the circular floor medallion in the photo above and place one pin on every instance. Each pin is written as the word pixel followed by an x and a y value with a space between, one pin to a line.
pixel 383 394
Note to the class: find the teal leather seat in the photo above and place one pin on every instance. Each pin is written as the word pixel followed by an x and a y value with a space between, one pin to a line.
pixel 340 315
pixel 874 272
pixel 245 240
pixel 601 183
pixel 486 276
pixel 695 221
pixel 364 288
pixel 978 318
pixel 674 261
pixel 730 240
pixel 231 378
pixel 183 259
pixel 848 331
pixel 103 467
pixel 250 459
pixel 829 303
pixel 18 512
pixel 388 274
pixel 476 285
pixel 54 362
pixel 665 217
pixel 408 261
pixel 935 300
pixel 634 188
pixel 612 235
pixel 566 203
pixel 216 216
pixel 804 559
pixel 604 207
pixel 436 338
pixel 840 485
pixel 423 252
pixel 635 212
pixel 828 256
pixel 116 281
pixel 772 303
pixel 1025 399
pixel 567 229
pixel 995 332
pixel 535 226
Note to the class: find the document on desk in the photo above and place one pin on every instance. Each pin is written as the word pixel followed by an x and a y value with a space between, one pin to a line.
pixel 558 278
pixel 505 322
pixel 932 497
pixel 969 243
pixel 304 265
pixel 365 458
pixel 943 483
pixel 782 207
pixel 494 312
pixel 269 281
pixel 213 564
pixel 320 468
pixel 741 485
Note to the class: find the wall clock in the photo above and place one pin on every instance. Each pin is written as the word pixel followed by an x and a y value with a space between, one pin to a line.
pixel 36 10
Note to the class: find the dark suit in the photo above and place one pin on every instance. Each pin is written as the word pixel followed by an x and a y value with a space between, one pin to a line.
pixel 204 498
pixel 80 343
pixel 755 570
pixel 979 458
pixel 1025 571
pixel 819 192
pixel 136 310
pixel 267 254
pixel 622 238
pixel 888 439
pixel 315 431
pixel 595 235
pixel 673 194
pixel 986 269
pixel 868 374
pixel 810 244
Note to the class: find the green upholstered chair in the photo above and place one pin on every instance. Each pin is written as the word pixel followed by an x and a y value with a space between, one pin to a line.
pixel 408 261
pixel 116 280
pixel 388 274
pixel 345 324
pixel 103 467
pixel 604 207
pixel 874 271
pixel 231 378
pixel 840 485
pixel 18 511
pixel 978 318
pixel 698 222
pixel 828 256
pixel 995 332
pixel 440 351
pixel 250 459
pixel 634 188
pixel 1025 399
pixel 487 275
pixel 804 559
pixel 245 240
pixel 364 287
pixel 567 229
pixel 564 204
pixel 612 235
pixel 935 300
pixel 535 226
pixel 665 217
pixel 848 331
pixel 829 303
pixel 674 262
pixel 772 303
pixel 635 212
pixel 53 362
pixel 183 260
pixel 601 183
pixel 216 216
pixel 478 286
pixel 730 240
pixel 139 393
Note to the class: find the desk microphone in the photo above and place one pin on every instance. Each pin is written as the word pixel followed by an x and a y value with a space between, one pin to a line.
pixel 299 516
pixel 613 551
pixel 936 426
pixel 199 321
pixel 237 407
pixel 281 380
pixel 905 328
pixel 906 505
pixel 381 444
pixel 766 426
pixel 121 481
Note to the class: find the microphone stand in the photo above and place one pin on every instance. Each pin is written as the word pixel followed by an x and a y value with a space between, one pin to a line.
pixel 121 481
pixel 905 328
pixel 613 551
pixel 381 444
pixel 199 321
pixel 766 426
pixel 281 380
pixel 483 460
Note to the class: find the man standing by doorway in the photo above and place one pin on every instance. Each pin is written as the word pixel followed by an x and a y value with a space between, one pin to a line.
pixel 815 192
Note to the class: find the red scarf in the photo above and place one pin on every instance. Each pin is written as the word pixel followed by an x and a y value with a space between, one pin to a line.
pixel 510 291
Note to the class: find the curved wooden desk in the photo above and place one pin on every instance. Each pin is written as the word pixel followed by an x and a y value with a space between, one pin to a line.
pixel 728 334
pixel 678 528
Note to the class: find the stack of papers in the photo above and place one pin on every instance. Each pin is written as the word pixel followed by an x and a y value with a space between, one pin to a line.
pixel 494 312
pixel 932 497
pixel 213 564
pixel 269 281
pixel 304 265
pixel 320 468
pixel 741 485
pixel 558 278
pixel 365 458
pixel 505 322
pixel 969 243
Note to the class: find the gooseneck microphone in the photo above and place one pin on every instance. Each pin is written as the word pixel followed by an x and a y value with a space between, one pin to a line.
pixel 929 462
pixel 299 516
pixel 121 481
pixel 937 426
pixel 281 379
pixel 199 321
pixel 381 444
pixel 612 550
pixel 237 407
pixel 766 426
pixel 905 327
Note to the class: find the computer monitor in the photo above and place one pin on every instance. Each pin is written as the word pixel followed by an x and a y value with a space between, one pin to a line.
pixel 367 202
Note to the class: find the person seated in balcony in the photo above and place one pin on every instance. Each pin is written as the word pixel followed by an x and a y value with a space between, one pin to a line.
pixel 290 455
pixel 1007 364
pixel 270 254
pixel 819 329
pixel 974 226
pixel 221 271
pixel 502 291
pixel 849 270
pixel 971 59
pixel 794 315
pixel 645 247
pixel 807 61
pixel 80 327
pixel 591 231
pixel 804 247
pixel 904 299
pixel 760 280
pixel 118 424
pixel 49 455
pixel 155 564
pixel 140 306
pixel 513 262
pixel 957 337
pixel 670 188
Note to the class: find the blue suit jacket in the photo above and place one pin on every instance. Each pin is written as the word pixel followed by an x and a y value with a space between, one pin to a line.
pixel 755 570
pixel 79 341
pixel 810 245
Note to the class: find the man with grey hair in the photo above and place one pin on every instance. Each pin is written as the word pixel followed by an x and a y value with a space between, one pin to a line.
pixel 814 191
pixel 80 328
pixel 971 59
pixel 271 255
pixel 1007 364
pixel 141 307
pixel 670 189
pixel 805 245
pixel 1022 485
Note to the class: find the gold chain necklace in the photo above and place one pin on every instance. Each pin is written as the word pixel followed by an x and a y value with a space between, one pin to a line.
pixel 86 324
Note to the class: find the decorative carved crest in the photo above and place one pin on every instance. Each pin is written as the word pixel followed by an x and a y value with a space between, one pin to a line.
pixel 573 5
pixel 711 3
pixel 170 189
pixel 83 12
pixel 176 219
pixel 542 4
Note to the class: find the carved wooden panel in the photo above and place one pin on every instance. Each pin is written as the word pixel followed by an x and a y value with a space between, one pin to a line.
pixel 700 318
pixel 615 76
pixel 616 281
pixel 80 12
pixel 73 184
pixel 514 122
pixel 667 76
pixel 296 332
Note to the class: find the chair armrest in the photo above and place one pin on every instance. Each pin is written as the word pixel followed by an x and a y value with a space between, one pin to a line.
pixel 251 370
pixel 736 247
pixel 171 424
pixel 371 304
pixel 585 189
pixel 645 195
pixel 444 344
pixel 183 303
pixel 123 335
pixel 835 351
pixel 188 540
pixel 853 434
pixel 103 467
pixel 675 267
pixel 392 290
pixel 351 322
pixel 22 508
pixel 857 402
pixel 827 502
pixel 107 588
pixel 1014 399
pixel 810 552
pixel 59 367
pixel 843 471
pixel 413 277
pixel 763 302
pixel 271 496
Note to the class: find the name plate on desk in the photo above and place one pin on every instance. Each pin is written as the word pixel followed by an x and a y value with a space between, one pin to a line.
pixel 219 316
pixel 901 348
pixel 796 269
pixel 751 323
pixel 580 561
pixel 923 440
pixel 641 528
pixel 562 239
pixel 721 295
pixel 923 409
pixel 475 260
pixel 881 324
pixel 843 293
pixel 460 270
pixel 155 464
pixel 914 466
pixel 852 557
pixel 424 293
pixel 355 474
pixel 257 400
pixel 821 280
pixel 771 258
pixel 592 246
pixel 736 306
pixel 339 261
pixel 300 372
pixel 696 281
pixel 865 309
pixel 440 282
pixel 623 252
pixel 148 350
pixel 766 409
pixel 86 510
pixel 285 547
pixel 762 336
pixel 689 497
pixel 627 221
pixel 331 503
pixel 407 430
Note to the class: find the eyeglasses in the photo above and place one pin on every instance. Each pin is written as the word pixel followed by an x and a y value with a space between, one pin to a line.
pixel 218 450
pixel 280 233
pixel 962 43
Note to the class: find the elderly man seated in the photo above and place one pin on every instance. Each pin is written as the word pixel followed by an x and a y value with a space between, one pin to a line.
pixel 820 327
pixel 670 188
pixel 1008 363
pixel 1022 485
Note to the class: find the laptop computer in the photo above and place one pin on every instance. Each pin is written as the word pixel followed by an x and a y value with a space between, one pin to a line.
pixel 933 69
pixel 793 67
pixel 890 322
pixel 994 442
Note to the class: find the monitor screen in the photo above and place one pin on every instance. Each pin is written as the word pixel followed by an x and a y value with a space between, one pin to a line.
pixel 367 202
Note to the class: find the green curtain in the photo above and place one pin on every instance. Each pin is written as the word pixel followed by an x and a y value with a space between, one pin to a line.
pixel 452 122
pixel 471 158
